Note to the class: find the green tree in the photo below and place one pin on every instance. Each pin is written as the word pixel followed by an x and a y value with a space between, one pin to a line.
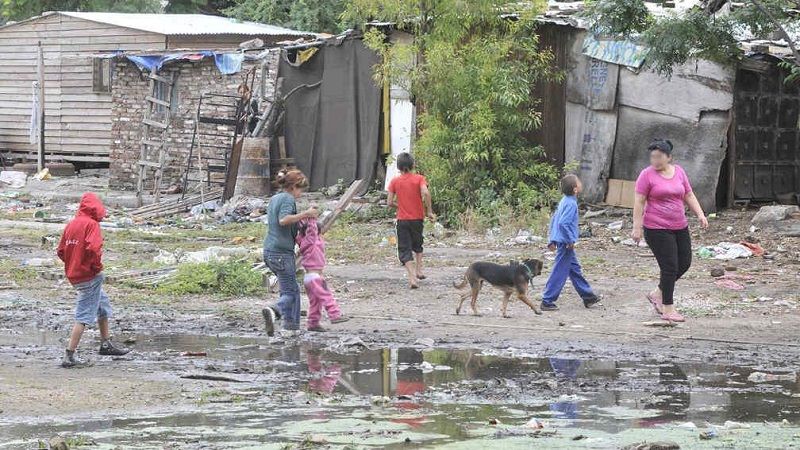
pixel 23 9
pixel 213 7
pixel 708 31
pixel 472 79
pixel 306 15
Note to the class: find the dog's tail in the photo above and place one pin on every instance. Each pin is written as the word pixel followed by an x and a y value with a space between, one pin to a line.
pixel 461 285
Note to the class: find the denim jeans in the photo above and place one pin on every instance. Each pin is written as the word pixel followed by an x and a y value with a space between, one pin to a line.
pixel 283 266
pixel 566 267
pixel 93 302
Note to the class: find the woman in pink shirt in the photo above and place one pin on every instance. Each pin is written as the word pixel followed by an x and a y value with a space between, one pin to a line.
pixel 662 190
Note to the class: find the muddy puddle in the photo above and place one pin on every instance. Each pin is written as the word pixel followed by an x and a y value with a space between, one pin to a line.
pixel 304 394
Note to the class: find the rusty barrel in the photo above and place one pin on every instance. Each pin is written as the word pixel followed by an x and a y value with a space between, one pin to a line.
pixel 254 173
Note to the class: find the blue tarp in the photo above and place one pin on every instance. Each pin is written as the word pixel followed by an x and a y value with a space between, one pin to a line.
pixel 227 63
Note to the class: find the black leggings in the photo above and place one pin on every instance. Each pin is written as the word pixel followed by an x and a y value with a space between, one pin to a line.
pixel 673 251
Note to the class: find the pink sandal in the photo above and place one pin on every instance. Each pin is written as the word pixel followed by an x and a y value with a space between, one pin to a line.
pixel 656 304
pixel 674 316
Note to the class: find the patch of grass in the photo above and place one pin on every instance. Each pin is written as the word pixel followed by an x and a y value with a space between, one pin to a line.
pixel 13 270
pixel 233 278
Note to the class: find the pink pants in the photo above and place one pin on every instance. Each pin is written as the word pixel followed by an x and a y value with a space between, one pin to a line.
pixel 319 297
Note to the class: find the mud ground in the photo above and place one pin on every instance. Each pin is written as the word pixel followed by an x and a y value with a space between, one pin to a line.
pixel 756 327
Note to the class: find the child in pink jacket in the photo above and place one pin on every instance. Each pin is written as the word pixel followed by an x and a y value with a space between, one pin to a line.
pixel 312 250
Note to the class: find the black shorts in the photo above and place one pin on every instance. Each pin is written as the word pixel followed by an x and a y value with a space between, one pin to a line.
pixel 409 239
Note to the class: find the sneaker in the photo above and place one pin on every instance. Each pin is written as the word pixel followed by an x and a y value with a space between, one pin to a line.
pixel 317 328
pixel 340 319
pixel 108 349
pixel 674 316
pixel 269 320
pixel 589 302
pixel 547 307
pixel 71 362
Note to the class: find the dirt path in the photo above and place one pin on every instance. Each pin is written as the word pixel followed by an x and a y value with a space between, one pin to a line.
pixel 756 326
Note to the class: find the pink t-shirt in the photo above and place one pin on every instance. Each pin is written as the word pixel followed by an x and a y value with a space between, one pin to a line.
pixel 665 209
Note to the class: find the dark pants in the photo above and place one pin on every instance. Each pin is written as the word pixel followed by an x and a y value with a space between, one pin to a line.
pixel 673 251
pixel 409 239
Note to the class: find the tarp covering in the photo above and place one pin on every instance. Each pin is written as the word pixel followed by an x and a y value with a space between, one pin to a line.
pixel 227 63
pixel 332 128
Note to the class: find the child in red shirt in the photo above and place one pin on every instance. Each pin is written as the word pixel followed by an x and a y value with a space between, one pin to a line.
pixel 81 249
pixel 407 192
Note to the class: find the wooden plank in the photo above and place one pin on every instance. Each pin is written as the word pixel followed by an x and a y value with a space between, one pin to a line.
pixel 149 164
pixel 160 78
pixel 233 170
pixel 153 123
pixel 356 187
pixel 157 101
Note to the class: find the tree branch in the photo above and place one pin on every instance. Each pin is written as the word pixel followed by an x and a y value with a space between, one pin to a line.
pixel 782 30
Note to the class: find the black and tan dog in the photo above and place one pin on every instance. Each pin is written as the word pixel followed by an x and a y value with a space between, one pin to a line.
pixel 511 279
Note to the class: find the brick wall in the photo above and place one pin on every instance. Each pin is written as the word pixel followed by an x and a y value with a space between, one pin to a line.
pixel 129 89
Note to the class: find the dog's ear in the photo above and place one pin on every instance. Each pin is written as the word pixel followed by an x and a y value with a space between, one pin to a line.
pixel 539 266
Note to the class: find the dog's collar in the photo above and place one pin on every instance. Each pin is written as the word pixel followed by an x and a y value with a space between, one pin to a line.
pixel 529 272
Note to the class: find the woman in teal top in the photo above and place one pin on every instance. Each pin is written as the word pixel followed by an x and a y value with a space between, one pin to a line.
pixel 282 218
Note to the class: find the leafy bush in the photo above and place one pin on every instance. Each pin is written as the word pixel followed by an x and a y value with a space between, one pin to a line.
pixel 472 82
pixel 233 278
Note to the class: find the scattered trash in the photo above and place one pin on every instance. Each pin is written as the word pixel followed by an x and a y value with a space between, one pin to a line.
pixel 202 208
pixel 210 254
pixel 763 299
pixel 58 443
pixel 761 377
pixel 40 262
pixel 579 437
pixel 664 445
pixel 535 423
pixel 585 233
pixel 523 237
pixel 426 367
pixel 598 213
pixel 690 425
pixel 756 249
pixel 426 342
pixel 774 213
pixel 708 434
pixel 438 230
pixel 617 225
pixel 630 242
pixel 494 421
pixel 194 354
pixel 705 253
pixel 731 425
pixel 717 272
pixel 13 179
pixel 239 240
pixel 786 303
pixel 725 251
pixel 43 174
pixel 729 229
pixel 660 323
pixel 729 284
pixel 129 340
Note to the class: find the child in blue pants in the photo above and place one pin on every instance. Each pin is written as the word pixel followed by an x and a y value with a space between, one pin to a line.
pixel 563 236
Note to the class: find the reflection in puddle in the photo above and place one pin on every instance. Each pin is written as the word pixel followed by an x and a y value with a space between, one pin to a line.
pixel 436 397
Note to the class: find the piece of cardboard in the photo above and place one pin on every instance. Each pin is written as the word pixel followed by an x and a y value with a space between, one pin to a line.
pixel 620 193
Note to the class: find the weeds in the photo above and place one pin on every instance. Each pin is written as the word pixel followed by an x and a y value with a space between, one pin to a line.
pixel 12 270
pixel 233 278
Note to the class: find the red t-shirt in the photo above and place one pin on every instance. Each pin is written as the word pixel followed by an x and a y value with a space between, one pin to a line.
pixel 408 189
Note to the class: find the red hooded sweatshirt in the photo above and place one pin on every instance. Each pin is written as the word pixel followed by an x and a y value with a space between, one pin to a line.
pixel 81 246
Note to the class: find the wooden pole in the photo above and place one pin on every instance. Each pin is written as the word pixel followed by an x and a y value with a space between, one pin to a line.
pixel 40 72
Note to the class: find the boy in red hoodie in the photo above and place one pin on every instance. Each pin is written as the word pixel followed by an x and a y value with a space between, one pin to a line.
pixel 81 249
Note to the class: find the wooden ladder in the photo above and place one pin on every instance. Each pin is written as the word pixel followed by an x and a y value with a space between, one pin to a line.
pixel 153 148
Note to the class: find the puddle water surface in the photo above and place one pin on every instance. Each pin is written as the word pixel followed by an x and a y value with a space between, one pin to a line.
pixel 459 398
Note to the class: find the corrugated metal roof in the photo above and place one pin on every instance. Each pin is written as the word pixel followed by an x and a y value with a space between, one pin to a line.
pixel 185 24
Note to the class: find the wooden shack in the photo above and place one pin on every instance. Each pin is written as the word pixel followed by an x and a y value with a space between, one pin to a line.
pixel 78 79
